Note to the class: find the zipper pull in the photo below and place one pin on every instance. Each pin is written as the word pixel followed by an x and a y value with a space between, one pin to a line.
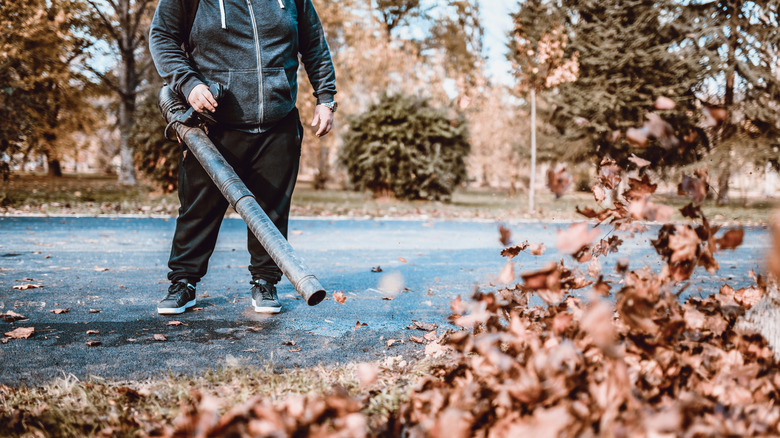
pixel 281 4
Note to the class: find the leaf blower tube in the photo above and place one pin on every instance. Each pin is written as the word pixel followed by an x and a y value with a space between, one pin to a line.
pixel 187 125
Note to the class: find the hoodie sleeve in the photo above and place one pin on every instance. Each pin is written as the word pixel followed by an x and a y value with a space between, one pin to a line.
pixel 315 53
pixel 168 35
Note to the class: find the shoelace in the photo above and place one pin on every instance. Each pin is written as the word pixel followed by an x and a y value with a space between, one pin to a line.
pixel 177 288
pixel 265 292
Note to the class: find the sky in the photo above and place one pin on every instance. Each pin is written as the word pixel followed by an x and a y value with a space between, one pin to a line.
pixel 496 21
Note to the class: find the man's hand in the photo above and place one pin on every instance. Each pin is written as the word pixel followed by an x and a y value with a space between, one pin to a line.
pixel 201 99
pixel 324 117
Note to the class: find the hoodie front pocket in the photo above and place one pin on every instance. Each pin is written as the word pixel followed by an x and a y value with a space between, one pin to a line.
pixel 240 104
pixel 277 98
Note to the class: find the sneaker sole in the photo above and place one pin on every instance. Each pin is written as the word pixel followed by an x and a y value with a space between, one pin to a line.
pixel 261 309
pixel 175 310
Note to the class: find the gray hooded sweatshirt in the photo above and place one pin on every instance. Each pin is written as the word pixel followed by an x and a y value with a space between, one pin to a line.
pixel 251 47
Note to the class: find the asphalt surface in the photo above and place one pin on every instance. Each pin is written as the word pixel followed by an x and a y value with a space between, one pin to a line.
pixel 117 266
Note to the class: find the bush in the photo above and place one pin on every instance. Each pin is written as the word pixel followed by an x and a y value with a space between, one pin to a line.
pixel 402 146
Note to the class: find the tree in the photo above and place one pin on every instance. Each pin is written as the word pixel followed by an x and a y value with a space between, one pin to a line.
pixel 537 51
pixel 43 96
pixel 403 147
pixel 740 41
pixel 630 56
pixel 125 25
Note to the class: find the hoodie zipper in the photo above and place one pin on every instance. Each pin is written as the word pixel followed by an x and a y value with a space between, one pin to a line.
pixel 222 13
pixel 259 61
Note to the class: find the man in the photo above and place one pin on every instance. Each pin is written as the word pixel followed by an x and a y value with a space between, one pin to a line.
pixel 251 47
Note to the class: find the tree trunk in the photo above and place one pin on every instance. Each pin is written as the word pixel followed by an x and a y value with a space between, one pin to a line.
pixel 55 169
pixel 128 83
pixel 532 184
pixel 323 169
pixel 723 186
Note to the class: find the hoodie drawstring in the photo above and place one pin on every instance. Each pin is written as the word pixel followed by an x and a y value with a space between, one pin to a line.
pixel 281 4
pixel 222 13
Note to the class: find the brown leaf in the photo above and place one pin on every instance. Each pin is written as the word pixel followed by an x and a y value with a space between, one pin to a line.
pixel 376 269
pixel 638 136
pixel 175 323
pixel 684 244
pixel 94 311
pixel 640 162
pixel 537 249
pixel 93 332
pixel 160 337
pixel 731 239
pixel 663 103
pixel 340 297
pixel 21 333
pixel 359 324
pixel 367 374
pixel 59 311
pixel 546 278
pixel 11 316
pixel 25 286
pixel 401 259
pixel 507 274
pixel 93 343
pixel 714 116
pixel 391 342
pixel 294 350
pixel 514 250
pixel 425 326
pixel 599 193
pixel 99 269
pixel 417 339
pixel 289 343
pixel 505 235
pixel 558 180
pixel 574 238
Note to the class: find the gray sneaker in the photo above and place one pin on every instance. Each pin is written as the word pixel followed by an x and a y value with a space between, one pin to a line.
pixel 264 297
pixel 181 296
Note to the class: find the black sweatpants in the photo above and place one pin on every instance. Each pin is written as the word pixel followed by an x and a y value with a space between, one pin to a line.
pixel 268 163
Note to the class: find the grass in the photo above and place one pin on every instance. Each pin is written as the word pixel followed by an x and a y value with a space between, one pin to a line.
pixel 70 407
pixel 101 194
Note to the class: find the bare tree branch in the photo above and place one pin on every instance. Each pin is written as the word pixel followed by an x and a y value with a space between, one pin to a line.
pixel 140 10
pixel 106 22
pixel 107 81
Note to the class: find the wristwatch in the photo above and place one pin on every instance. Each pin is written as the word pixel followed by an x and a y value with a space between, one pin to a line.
pixel 333 106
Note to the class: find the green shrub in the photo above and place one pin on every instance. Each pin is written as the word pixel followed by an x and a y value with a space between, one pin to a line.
pixel 402 146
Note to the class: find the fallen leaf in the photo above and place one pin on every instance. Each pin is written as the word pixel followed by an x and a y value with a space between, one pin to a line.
pixel 360 324
pixel 367 374
pixel 430 336
pixel 175 323
pixel 402 260
pixel 391 342
pixel 160 337
pixel 512 251
pixel 340 297
pixel 26 286
pixel 424 326
pixel 11 316
pixel 94 311
pixel 376 269
pixel 640 162
pixel 99 269
pixel 59 311
pixel 294 350
pixel 386 298
pixel 417 339
pixel 289 343
pixel 93 343
pixel 297 232
pixel 197 309
pixel 93 332
pixel 21 333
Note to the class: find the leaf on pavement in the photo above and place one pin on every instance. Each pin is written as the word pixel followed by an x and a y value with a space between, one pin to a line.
pixel 401 259
pixel 294 350
pixel 425 326
pixel 94 311
pixel 93 343
pixel 391 342
pixel 417 339
pixel 20 333
pixel 367 374
pixel 176 323
pixel 160 337
pixel 289 343
pixel 376 269
pixel 59 311
pixel 93 332
pixel 99 269
pixel 11 316
pixel 340 297
pixel 25 286
pixel 359 324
